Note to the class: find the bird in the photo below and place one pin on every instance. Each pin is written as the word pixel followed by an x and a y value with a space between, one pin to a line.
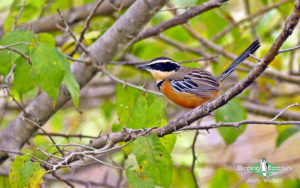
pixel 190 87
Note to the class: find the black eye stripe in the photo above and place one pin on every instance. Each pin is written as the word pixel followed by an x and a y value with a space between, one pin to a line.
pixel 166 66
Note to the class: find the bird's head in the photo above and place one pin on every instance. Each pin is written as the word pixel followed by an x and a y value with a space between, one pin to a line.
pixel 160 67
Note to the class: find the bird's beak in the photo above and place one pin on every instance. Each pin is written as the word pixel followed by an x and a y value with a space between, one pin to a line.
pixel 143 66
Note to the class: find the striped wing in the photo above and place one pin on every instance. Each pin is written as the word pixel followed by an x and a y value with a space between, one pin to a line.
pixel 200 83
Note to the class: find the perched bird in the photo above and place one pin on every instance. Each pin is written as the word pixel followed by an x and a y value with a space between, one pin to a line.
pixel 190 87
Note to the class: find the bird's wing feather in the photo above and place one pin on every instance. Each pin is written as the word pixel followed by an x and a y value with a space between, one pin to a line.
pixel 198 82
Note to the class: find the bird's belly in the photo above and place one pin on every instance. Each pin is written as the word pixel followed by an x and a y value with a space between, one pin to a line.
pixel 184 99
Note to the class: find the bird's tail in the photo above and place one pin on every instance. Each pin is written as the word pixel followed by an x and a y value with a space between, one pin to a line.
pixel 250 50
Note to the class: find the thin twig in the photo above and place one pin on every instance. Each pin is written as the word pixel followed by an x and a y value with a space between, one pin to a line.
pixel 11 72
pixel 77 145
pixel 269 111
pixel 86 26
pixel 200 59
pixel 10 151
pixel 184 47
pixel 15 44
pixel 49 155
pixel 40 160
pixel 120 171
pixel 290 49
pixel 257 59
pixel 176 8
pixel 284 110
pixel 194 158
pixel 19 105
pixel 247 7
pixel 45 8
pixel 129 84
pixel 250 17
pixel 239 123
pixel 68 30
pixel 38 126
pixel 19 14
pixel 17 51
pixel 77 60
pixel 180 19
pixel 102 162
pixel 70 179
pixel 60 178
pixel 142 62
pixel 86 153
pixel 65 135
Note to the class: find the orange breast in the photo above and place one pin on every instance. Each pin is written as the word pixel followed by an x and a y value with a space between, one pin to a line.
pixel 183 99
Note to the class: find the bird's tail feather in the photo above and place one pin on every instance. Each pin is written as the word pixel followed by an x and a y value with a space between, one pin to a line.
pixel 250 50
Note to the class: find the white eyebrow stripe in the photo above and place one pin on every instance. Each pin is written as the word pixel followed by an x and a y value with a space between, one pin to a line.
pixel 163 61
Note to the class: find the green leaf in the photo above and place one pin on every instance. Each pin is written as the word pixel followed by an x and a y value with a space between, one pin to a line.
pixel 31 10
pixel 24 79
pixel 27 171
pixel 232 112
pixel 24 173
pixel 6 62
pixel 125 102
pixel 69 79
pixel 137 111
pixel 49 69
pixel 108 109
pixel 169 141
pixel 138 180
pixel 46 38
pixel 138 118
pixel 183 178
pixel 154 159
pixel 126 149
pixel 156 111
pixel 285 134
pixel 7 57
pixel 36 178
pixel 225 178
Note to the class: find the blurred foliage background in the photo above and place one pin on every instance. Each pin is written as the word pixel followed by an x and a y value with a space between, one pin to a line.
pixel 107 107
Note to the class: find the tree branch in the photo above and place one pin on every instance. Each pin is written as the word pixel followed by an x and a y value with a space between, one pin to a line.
pixel 239 123
pixel 249 17
pixel 129 84
pixel 270 111
pixel 180 19
pixel 73 15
